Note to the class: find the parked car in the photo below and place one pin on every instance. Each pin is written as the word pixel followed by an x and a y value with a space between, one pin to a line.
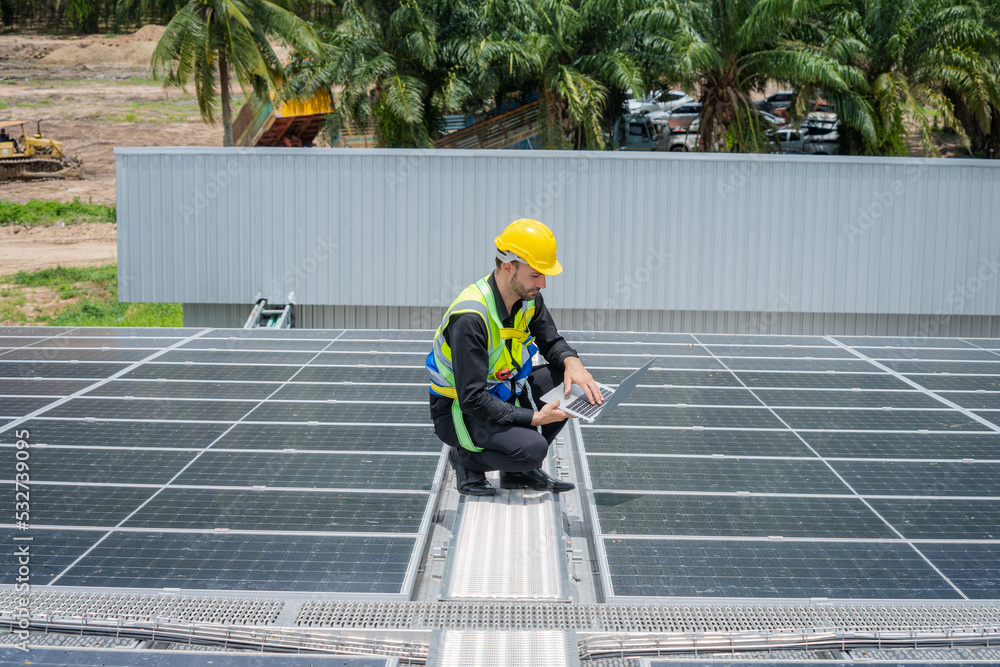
pixel 634 132
pixel 818 135
pixel 685 138
pixel 773 119
pixel 659 100
pixel 780 103
pixel 780 100
pixel 680 117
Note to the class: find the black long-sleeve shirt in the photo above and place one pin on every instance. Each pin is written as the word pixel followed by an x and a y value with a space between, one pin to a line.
pixel 468 338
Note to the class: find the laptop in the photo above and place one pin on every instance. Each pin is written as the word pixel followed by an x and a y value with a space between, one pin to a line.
pixel 577 404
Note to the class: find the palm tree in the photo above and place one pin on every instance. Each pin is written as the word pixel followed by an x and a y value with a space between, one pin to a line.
pixel 578 54
pixel 728 49
pixel 916 56
pixel 399 65
pixel 210 40
pixel 979 118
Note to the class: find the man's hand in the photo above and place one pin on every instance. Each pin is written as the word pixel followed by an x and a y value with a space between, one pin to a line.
pixel 549 413
pixel 581 377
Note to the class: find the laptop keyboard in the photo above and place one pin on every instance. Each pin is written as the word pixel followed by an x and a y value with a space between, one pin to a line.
pixel 583 407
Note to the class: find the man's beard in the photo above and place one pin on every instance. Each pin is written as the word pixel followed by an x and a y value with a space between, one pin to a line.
pixel 520 290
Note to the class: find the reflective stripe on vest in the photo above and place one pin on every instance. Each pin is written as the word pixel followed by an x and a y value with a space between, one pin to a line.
pixel 478 298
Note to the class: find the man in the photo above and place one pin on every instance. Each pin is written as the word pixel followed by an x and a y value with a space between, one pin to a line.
pixel 485 393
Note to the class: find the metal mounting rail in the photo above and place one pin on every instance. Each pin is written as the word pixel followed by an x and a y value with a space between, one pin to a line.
pixel 591 646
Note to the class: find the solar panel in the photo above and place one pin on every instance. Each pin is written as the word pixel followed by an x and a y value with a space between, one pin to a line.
pixel 742 568
pixel 202 467
pixel 801 471
pixel 268 462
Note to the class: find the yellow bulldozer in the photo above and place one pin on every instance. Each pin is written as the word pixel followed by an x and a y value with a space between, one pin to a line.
pixel 33 156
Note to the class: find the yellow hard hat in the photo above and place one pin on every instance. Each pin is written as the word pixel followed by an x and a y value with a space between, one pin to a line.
pixel 531 242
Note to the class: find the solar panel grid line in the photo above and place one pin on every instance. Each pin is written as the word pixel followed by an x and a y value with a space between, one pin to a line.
pixel 915 385
pixel 40 338
pixel 994 351
pixel 872 509
pixel 231 487
pixel 240 400
pixel 224 531
pixel 83 391
pixel 778 430
pixel 591 516
pixel 228 421
pixel 787 407
pixel 345 401
pixel 723 494
pixel 147 501
pixel 765 457
pixel 778 494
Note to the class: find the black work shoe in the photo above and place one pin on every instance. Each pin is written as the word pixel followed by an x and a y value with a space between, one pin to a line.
pixel 536 479
pixel 469 483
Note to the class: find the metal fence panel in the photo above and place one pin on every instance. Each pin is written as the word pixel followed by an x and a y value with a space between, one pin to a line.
pixel 668 233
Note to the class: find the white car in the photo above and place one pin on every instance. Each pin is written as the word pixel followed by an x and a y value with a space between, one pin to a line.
pixel 819 135
pixel 659 100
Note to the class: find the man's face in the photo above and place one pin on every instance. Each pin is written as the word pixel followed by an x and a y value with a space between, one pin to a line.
pixel 525 282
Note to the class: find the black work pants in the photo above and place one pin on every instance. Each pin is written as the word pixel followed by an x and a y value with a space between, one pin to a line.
pixel 506 446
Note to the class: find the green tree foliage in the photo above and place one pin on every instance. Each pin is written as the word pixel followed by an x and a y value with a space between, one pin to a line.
pixel 579 55
pixel 916 57
pixel 211 40
pixel 981 120
pixel 399 66
pixel 891 67
pixel 725 51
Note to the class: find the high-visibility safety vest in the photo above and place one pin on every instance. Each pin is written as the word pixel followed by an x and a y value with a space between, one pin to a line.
pixel 508 368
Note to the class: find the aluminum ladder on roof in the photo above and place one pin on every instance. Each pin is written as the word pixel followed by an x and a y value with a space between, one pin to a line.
pixel 274 317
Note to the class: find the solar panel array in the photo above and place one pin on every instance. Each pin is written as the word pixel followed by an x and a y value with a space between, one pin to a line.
pixel 741 467
pixel 797 467
pixel 218 460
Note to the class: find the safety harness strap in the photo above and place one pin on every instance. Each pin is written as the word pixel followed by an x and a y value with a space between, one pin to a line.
pixel 464 438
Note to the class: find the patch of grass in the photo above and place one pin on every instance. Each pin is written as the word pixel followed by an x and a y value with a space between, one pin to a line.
pixel 3 105
pixel 38 212
pixel 113 313
pixel 12 310
pixel 34 105
pixel 94 291
pixel 130 117
pixel 137 81
pixel 61 275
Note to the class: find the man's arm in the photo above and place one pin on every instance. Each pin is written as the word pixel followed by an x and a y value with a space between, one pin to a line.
pixel 468 339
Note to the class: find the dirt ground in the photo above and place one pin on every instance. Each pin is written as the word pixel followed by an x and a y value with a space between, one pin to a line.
pixel 36 248
pixel 91 107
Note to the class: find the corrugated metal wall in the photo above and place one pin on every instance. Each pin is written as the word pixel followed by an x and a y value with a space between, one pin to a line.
pixel 382 317
pixel 654 241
